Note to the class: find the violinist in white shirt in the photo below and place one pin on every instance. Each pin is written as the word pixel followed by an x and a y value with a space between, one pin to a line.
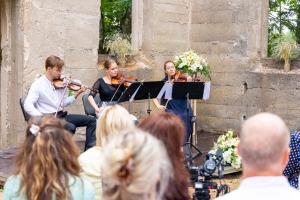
pixel 44 98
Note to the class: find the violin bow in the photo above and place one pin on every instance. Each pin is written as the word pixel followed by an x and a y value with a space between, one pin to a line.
pixel 114 94
pixel 62 97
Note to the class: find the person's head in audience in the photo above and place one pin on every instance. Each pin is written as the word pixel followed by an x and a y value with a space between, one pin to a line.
pixel 135 167
pixel 113 119
pixel 47 158
pixel 169 129
pixel 264 148
pixel 264 145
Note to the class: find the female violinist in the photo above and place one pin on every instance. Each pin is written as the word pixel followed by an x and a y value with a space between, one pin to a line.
pixel 176 106
pixel 108 91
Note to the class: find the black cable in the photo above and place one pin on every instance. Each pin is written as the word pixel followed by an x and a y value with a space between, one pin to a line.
pixel 223 189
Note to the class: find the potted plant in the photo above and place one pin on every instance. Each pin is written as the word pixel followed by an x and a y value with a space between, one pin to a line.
pixel 119 46
pixel 286 48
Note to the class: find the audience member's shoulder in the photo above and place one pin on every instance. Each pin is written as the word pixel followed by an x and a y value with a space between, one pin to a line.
pixel 91 154
pixel 296 135
pixel 12 181
pixel 81 188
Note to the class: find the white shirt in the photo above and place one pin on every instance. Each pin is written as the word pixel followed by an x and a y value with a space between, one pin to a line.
pixel 263 188
pixel 43 98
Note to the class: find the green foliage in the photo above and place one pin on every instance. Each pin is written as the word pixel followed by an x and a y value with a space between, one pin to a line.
pixel 119 45
pixel 115 18
pixel 285 48
pixel 284 16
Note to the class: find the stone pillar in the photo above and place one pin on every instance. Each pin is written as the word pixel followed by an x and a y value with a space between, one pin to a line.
pixel 33 30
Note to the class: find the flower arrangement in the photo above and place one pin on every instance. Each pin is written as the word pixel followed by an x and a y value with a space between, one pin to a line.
pixel 228 145
pixel 191 63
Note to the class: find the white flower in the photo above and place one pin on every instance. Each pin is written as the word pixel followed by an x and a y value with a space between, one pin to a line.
pixel 190 62
pixel 227 143
pixel 227 156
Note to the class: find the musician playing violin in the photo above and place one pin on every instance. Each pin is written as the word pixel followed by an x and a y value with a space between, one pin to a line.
pixel 109 92
pixel 44 98
pixel 176 106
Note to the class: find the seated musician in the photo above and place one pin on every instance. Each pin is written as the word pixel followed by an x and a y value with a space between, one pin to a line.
pixel 176 106
pixel 109 93
pixel 43 98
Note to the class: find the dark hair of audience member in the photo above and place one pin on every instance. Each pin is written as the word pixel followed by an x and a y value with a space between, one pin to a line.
pixel 46 159
pixel 169 129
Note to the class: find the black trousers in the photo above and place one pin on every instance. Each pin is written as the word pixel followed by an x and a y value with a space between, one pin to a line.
pixel 76 120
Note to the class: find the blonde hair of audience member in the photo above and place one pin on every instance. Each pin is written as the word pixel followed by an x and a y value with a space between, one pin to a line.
pixel 112 120
pixel 264 145
pixel 46 159
pixel 136 167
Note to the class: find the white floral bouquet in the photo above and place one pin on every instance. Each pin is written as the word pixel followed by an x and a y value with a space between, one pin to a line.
pixel 191 63
pixel 228 145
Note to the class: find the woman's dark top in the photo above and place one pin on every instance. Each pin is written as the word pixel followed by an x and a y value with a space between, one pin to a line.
pixel 179 107
pixel 107 91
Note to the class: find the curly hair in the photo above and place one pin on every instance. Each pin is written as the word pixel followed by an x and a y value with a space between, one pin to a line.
pixel 46 159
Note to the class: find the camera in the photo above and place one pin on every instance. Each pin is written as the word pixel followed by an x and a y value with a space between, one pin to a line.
pixel 209 167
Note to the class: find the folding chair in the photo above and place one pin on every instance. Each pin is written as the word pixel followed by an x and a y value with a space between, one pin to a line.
pixel 25 114
pixel 88 108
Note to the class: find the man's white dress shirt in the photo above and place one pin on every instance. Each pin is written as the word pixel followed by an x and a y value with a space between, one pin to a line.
pixel 263 188
pixel 43 98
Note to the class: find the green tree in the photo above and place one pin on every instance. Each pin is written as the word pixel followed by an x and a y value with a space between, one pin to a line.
pixel 284 16
pixel 115 18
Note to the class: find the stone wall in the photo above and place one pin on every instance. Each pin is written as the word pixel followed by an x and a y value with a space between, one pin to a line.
pixel 233 36
pixel 30 32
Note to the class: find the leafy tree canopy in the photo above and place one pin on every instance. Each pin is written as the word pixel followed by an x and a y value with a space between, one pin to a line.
pixel 115 18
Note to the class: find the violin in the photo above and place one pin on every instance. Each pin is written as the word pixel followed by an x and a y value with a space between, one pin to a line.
pixel 74 85
pixel 179 77
pixel 182 77
pixel 120 79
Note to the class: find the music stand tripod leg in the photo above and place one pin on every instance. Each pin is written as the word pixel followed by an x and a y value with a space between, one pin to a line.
pixel 190 141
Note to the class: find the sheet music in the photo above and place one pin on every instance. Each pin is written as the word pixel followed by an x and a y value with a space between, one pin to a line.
pixel 206 90
pixel 132 97
pixel 166 88
pixel 169 90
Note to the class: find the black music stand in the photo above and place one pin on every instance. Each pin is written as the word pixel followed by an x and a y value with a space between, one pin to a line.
pixel 149 90
pixel 128 93
pixel 189 90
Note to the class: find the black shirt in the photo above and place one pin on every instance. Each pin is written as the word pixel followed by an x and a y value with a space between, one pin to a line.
pixel 107 91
